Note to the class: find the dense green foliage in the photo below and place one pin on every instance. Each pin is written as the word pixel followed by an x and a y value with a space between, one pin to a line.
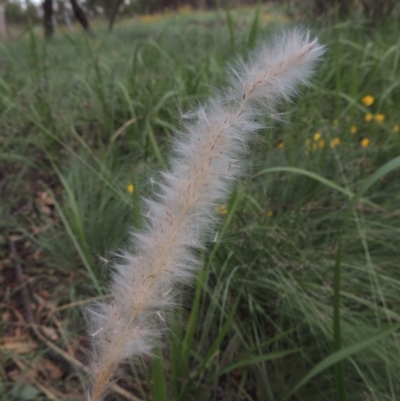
pixel 84 117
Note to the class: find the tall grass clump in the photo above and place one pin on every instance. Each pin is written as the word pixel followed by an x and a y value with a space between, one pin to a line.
pixel 206 159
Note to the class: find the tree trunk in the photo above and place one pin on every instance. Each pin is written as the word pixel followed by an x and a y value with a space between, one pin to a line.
pixel 3 26
pixel 201 4
pixel 114 13
pixel 48 18
pixel 80 15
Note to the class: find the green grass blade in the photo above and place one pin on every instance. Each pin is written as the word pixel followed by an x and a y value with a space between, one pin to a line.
pixel 254 359
pixel 231 212
pixel 158 386
pixel 255 27
pixel 194 315
pixel 383 170
pixel 319 178
pixel 231 29
pixel 137 215
pixel 76 244
pixel 337 332
pixel 214 346
pixel 161 102
pixel 154 145
pixel 178 366
pixel 221 335
pixel 340 355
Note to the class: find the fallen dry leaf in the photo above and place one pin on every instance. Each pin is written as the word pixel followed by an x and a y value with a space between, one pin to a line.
pixel 36 256
pixel 5 263
pixel 50 333
pixel 44 293
pixel 46 198
pixel 13 374
pixel 45 201
pixel 51 370
pixel 16 238
pixel 35 230
pixel 19 345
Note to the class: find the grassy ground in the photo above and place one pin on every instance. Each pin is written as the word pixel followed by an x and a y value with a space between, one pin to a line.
pixel 299 297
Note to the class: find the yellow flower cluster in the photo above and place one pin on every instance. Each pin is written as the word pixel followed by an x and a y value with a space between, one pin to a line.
pixel 316 143
pixel 130 188
pixel 379 118
pixel 367 101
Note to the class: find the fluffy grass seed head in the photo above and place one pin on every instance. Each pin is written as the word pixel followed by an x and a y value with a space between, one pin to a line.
pixel 205 162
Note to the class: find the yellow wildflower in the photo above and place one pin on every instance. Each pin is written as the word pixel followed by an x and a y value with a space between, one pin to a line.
pixel 335 142
pixel 365 143
pixel 396 128
pixel 335 121
pixel 353 129
pixel 149 18
pixel 221 209
pixel 379 118
pixel 368 117
pixel 321 143
pixel 368 100
pixel 281 145
pixel 130 188
pixel 270 213
pixel 317 136
pixel 186 9
pixel 314 147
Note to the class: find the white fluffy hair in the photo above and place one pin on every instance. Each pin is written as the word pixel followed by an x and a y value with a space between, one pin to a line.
pixel 203 166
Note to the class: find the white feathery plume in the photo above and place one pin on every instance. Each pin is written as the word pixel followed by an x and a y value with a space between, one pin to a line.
pixel 203 166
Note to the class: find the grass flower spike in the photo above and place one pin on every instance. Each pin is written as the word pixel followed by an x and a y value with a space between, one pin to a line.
pixel 204 164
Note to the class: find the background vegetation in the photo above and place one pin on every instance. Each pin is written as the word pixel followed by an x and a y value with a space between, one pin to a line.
pixel 298 298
